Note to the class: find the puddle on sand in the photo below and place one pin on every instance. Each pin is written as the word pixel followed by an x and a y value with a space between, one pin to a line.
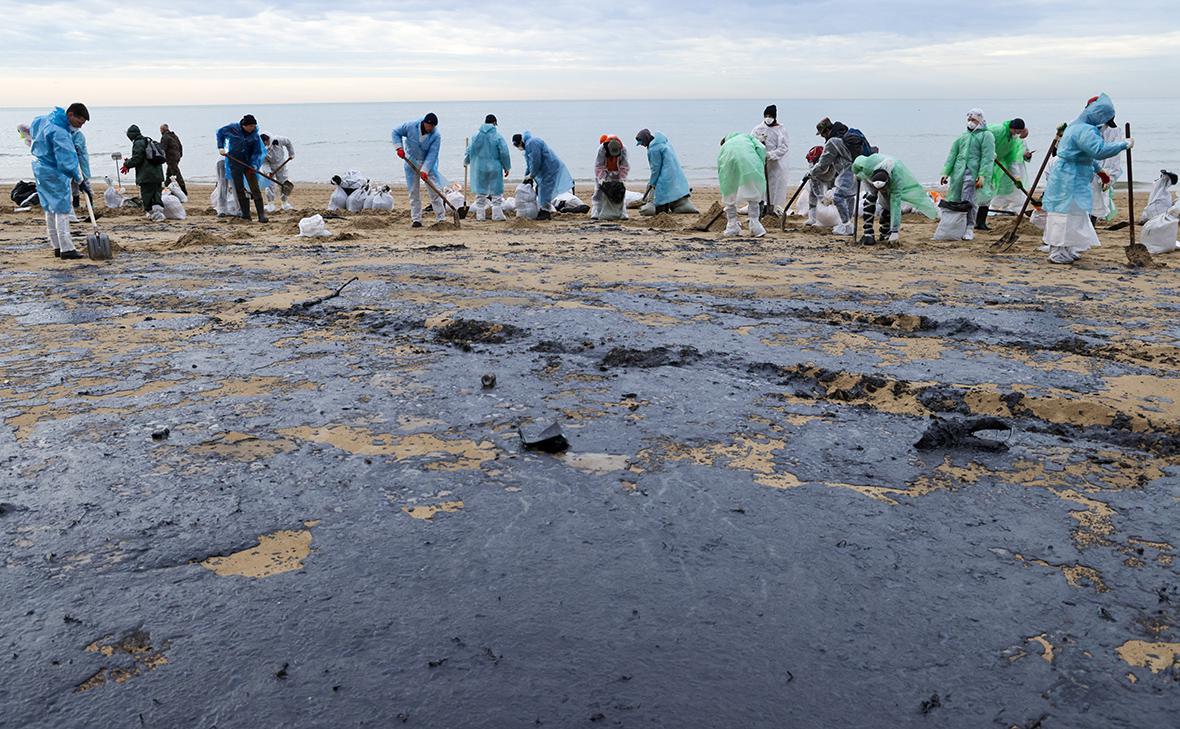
pixel 596 463
pixel 282 551
pixel 426 512
pixel 1155 656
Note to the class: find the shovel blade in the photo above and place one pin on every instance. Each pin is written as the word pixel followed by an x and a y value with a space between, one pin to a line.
pixel 288 187
pixel 98 246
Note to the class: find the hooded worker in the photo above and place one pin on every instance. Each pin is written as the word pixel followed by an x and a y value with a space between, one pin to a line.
pixel 1102 186
pixel 610 171
pixel 173 153
pixel 833 169
pixel 243 156
pixel 1008 138
pixel 279 152
pixel 543 166
pixel 890 183
pixel 667 186
pixel 774 137
pixel 490 164
pixel 55 165
pixel 149 175
pixel 968 168
pixel 418 141
pixel 741 172
pixel 1068 199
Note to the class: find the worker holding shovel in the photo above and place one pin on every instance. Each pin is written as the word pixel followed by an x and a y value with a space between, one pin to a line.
pixel 242 147
pixel 418 142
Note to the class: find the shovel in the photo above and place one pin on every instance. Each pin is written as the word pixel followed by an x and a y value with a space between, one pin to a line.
pixel 1005 243
pixel 1137 253
pixel 98 243
pixel 118 157
pixel 286 185
pixel 802 184
pixel 433 188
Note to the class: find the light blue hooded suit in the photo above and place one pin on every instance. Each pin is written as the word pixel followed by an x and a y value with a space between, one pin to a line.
pixel 666 176
pixel 421 150
pixel 544 166
pixel 1078 153
pixel 489 159
pixel 55 160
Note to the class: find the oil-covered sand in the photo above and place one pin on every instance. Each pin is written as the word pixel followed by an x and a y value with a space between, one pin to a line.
pixel 221 507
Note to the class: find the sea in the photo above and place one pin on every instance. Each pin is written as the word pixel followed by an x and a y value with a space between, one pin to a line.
pixel 333 138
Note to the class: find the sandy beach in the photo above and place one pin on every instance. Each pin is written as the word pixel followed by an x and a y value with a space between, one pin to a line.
pixel 221 499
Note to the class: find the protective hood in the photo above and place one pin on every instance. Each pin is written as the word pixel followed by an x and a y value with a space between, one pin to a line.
pixel 1097 112
pixel 57 117
pixel 487 129
pixel 659 138
pixel 133 133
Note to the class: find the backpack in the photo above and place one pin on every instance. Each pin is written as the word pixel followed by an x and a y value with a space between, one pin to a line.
pixel 22 191
pixel 153 152
pixel 864 141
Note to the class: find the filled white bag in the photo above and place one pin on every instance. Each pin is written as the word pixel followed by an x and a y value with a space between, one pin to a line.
pixel 156 215
pixel 356 201
pixel 352 180
pixel 1159 233
pixel 952 225
pixel 383 200
pixel 174 188
pixel 509 205
pixel 632 199
pixel 827 215
pixel 526 202
pixel 454 195
pixel 338 200
pixel 1161 197
pixel 113 196
pixel 173 208
pixel 314 227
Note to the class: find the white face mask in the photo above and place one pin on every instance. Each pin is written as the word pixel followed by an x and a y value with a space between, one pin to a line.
pixel 769 121
pixel 972 125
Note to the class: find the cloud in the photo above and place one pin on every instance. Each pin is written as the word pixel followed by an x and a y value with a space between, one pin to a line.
pixel 296 50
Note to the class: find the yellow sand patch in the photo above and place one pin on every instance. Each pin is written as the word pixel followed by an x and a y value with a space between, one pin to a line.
pixel 1046 646
pixel 276 553
pixel 426 512
pixel 137 645
pixel 1155 656
pixel 445 454
pixel 594 462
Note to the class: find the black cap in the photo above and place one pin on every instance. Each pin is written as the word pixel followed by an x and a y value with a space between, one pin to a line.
pixel 249 120
pixel 771 110
pixel 644 137
pixel 490 119
pixel 1112 124
pixel 518 140
pixel 1016 124
pixel 1171 176
pixel 79 109
pixel 823 126
pixel 430 118
pixel 265 137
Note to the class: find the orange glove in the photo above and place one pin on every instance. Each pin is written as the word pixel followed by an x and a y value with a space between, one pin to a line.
pixel 401 153
pixel 425 175
pixel 1104 177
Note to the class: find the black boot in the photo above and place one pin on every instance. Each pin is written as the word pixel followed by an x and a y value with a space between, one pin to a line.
pixel 243 204
pixel 261 208
pixel 981 218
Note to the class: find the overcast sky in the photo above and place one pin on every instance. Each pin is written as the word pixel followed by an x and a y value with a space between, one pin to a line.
pixel 185 52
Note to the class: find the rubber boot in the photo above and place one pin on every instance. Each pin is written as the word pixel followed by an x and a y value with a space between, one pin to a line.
pixel 756 228
pixel 732 226
pixel 261 208
pixel 981 218
pixel 243 204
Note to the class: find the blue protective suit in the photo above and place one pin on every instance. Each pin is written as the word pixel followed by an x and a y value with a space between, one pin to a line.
pixel 421 149
pixel 543 165
pixel 83 152
pixel 55 160
pixel 666 176
pixel 1078 153
pixel 489 159
pixel 243 147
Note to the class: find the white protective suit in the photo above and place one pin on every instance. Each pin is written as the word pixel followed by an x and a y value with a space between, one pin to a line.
pixel 278 152
pixel 778 144
pixel 1103 200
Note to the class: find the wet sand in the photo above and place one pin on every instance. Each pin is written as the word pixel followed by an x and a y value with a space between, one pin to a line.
pixel 220 505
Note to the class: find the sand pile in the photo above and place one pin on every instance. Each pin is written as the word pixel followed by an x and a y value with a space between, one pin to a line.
pixel 371 222
pixel 443 225
pixel 345 236
pixel 197 237
pixel 123 212
pixel 663 221
pixel 522 224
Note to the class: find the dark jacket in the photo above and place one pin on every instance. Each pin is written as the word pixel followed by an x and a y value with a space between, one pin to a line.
pixel 145 174
pixel 173 149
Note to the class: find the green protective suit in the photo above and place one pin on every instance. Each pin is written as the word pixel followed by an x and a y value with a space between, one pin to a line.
pixel 741 168
pixel 902 186
pixel 974 151
pixel 149 177
pixel 1009 152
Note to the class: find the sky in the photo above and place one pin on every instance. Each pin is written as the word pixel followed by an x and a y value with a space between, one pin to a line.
pixel 294 51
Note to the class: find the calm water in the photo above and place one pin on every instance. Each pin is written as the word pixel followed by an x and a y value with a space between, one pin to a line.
pixel 332 138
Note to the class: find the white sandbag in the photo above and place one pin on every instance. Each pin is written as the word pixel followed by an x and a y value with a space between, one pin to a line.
pixel 356 201
pixel 804 202
pixel 338 200
pixel 173 208
pixel 1159 233
pixel 383 200
pixel 352 180
pixel 1160 199
pixel 314 227
pixel 952 225
pixel 113 196
pixel 827 215
pixel 175 189
pixel 526 202
pixel 632 199
pixel 368 203
pixel 509 205
pixel 224 199
pixel 156 215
